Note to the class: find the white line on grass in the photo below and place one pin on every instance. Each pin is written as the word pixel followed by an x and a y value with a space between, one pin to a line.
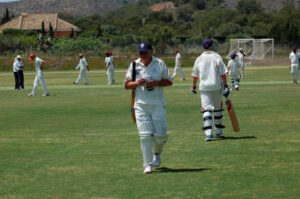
pixel 174 85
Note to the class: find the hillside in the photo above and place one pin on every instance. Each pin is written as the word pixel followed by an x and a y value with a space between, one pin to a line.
pixel 99 7
pixel 75 7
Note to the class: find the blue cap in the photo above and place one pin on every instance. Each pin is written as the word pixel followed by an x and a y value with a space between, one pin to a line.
pixel 144 47
pixel 233 55
pixel 206 43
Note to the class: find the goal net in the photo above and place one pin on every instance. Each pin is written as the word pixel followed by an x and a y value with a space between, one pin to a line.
pixel 253 48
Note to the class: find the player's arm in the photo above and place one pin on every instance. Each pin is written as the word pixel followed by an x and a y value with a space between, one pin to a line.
pixel 161 83
pixel 133 84
pixel 42 65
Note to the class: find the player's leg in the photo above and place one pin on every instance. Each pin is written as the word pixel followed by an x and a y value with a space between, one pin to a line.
pixel 207 109
pixel 243 70
pixel 113 76
pixel 232 81
pixel 35 85
pixel 79 76
pixel 109 76
pixel 22 79
pixel 160 129
pixel 175 72
pixel 217 97
pixel 86 77
pixel 16 80
pixel 145 128
pixel 236 81
pixel 41 79
pixel 181 73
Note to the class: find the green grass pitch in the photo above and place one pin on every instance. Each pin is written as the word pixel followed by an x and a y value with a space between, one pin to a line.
pixel 81 143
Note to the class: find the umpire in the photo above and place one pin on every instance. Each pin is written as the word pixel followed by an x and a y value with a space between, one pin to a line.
pixel 18 68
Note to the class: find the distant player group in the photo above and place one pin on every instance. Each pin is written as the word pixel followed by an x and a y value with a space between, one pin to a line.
pixel 147 76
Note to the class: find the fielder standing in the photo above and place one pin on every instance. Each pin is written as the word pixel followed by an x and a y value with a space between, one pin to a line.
pixel 241 56
pixel 211 70
pixel 83 65
pixel 294 57
pixel 152 75
pixel 110 67
pixel 178 65
pixel 39 77
pixel 233 68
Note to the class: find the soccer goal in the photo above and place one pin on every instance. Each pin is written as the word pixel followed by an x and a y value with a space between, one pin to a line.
pixel 253 48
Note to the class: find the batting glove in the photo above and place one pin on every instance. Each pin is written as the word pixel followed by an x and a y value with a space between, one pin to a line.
pixel 193 90
pixel 226 91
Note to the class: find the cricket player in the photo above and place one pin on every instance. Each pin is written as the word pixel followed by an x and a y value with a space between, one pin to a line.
pixel 294 57
pixel 110 68
pixel 233 68
pixel 211 70
pixel 39 77
pixel 178 65
pixel 152 75
pixel 83 65
pixel 241 56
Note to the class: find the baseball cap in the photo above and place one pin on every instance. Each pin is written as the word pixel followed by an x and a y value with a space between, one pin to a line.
pixel 144 47
pixel 31 56
pixel 232 56
pixel 19 57
pixel 206 43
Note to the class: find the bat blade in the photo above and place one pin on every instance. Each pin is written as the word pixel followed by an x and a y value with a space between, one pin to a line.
pixel 232 115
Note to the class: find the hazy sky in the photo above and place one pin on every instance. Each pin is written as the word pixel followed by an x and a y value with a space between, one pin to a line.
pixel 7 0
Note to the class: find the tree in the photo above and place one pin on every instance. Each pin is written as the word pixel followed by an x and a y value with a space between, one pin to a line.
pixel 99 31
pixel 6 17
pixel 72 34
pixel 51 33
pixel 199 4
pixel 43 31
pixel 248 6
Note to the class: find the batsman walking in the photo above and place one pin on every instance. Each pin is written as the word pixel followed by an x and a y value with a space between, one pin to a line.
pixel 39 77
pixel 211 70
pixel 152 75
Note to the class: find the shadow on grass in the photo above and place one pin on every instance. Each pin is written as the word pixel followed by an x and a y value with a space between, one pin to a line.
pixel 166 170
pixel 235 138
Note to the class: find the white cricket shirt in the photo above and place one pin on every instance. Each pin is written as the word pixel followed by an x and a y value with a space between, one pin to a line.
pixel 15 66
pixel 209 67
pixel 156 70
pixel 233 64
pixel 178 60
pixel 38 64
pixel 241 57
pixel 294 57
pixel 109 61
pixel 82 63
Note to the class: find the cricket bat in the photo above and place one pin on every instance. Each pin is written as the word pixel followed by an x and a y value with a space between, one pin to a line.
pixel 232 115
pixel 133 93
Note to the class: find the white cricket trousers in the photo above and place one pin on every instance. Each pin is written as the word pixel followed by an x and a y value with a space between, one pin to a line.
pixel 110 76
pixel 39 78
pixel 295 72
pixel 180 71
pixel 212 111
pixel 234 80
pixel 242 70
pixel 152 126
pixel 80 76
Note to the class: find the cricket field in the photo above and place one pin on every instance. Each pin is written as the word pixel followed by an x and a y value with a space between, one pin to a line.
pixel 80 141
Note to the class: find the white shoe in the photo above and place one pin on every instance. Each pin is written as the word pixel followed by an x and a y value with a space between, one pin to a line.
pixel 156 160
pixel 46 94
pixel 31 94
pixel 148 169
